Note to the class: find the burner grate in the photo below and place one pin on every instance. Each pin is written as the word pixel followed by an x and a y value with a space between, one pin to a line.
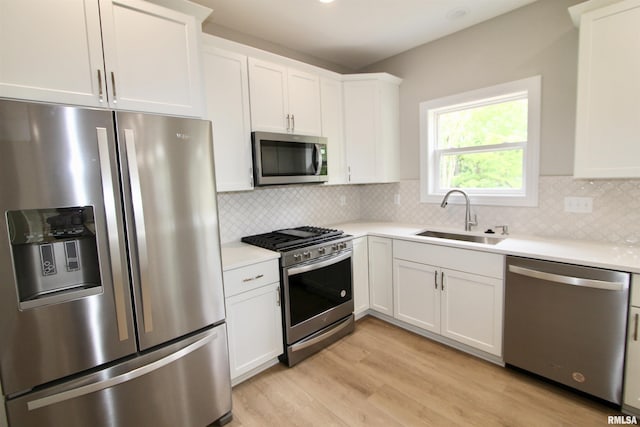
pixel 280 240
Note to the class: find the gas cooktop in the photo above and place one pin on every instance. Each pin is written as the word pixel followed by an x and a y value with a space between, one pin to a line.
pixel 292 238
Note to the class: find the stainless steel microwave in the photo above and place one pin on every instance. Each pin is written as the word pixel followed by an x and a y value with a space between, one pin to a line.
pixel 282 158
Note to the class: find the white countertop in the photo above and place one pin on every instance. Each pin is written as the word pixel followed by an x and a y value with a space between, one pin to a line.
pixel 603 255
pixel 595 254
pixel 238 254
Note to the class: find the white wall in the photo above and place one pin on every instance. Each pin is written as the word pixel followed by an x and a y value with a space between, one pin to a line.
pixel 536 39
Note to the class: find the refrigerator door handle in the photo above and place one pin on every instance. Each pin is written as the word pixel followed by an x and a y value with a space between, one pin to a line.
pixel 110 207
pixel 119 379
pixel 138 216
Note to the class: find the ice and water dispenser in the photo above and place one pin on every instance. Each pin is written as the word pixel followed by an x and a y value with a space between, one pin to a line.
pixel 55 254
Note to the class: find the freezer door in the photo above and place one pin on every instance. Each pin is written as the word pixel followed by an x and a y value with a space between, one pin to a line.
pixel 172 224
pixel 185 384
pixel 65 302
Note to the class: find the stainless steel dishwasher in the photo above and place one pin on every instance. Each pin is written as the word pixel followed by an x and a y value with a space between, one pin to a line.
pixel 567 323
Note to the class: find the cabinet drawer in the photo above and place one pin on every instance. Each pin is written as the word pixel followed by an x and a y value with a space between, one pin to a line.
pixel 250 277
pixel 477 262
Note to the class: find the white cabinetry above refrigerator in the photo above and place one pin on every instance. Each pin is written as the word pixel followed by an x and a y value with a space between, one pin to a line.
pixel 95 53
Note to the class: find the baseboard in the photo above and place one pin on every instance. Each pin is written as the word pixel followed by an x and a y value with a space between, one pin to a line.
pixel 435 337
pixel 255 371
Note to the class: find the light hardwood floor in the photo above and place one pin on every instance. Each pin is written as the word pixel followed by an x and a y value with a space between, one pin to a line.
pixel 382 375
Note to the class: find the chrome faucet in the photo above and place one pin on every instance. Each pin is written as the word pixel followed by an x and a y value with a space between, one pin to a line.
pixel 468 222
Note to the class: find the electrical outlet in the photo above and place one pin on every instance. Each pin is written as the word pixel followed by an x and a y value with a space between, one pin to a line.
pixel 343 200
pixel 396 199
pixel 578 204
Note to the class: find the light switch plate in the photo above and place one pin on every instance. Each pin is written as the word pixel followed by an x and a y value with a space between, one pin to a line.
pixel 578 204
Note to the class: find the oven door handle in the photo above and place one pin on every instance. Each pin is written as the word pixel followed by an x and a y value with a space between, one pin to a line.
pixel 317 265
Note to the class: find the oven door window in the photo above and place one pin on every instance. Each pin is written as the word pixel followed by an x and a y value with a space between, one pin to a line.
pixel 316 291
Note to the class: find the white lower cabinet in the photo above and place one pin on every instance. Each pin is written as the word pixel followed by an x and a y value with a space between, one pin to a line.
pixel 432 292
pixel 360 276
pixel 415 302
pixel 254 319
pixel 471 310
pixel 381 275
pixel 631 398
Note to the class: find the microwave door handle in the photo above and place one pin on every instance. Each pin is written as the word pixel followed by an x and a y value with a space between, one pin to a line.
pixel 318 154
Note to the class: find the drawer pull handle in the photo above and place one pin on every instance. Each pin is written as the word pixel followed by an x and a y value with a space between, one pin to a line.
pixel 635 329
pixel 259 276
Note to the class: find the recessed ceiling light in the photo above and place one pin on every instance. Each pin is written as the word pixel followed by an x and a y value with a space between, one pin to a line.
pixel 456 13
pixel 325 1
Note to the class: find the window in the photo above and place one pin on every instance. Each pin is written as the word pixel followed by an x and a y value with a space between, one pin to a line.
pixel 484 142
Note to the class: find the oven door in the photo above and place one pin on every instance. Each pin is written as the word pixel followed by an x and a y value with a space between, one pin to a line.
pixel 317 294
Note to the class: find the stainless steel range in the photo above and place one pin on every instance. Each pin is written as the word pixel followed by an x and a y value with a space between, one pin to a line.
pixel 316 286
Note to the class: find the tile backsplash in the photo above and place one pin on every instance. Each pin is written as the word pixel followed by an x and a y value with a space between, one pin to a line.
pixel 615 217
pixel 272 208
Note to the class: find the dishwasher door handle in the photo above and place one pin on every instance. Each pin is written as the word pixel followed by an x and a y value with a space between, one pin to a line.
pixel 567 280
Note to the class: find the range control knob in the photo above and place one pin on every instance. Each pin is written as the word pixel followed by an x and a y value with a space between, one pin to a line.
pixel 322 251
pixel 297 257
pixel 334 247
pixel 306 254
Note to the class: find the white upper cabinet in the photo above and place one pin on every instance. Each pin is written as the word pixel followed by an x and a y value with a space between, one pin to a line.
pixel 333 129
pixel 607 119
pixel 371 122
pixel 283 99
pixel 304 102
pixel 226 88
pixel 151 57
pixel 51 51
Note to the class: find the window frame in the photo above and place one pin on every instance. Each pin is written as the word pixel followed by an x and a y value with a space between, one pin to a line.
pixel 430 189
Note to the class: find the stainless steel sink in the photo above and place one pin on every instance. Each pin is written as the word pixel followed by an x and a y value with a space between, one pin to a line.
pixel 487 240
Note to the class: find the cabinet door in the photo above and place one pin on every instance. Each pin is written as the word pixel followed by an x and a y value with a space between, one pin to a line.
pixel 268 92
pixel 332 128
pixel 361 100
pixel 304 102
pixel 416 298
pixel 632 369
pixel 51 51
pixel 472 310
pixel 152 58
pixel 607 125
pixel 226 84
pixel 360 275
pixel 381 275
pixel 254 322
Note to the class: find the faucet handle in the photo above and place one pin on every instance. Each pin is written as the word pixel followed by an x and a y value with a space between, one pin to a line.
pixel 505 229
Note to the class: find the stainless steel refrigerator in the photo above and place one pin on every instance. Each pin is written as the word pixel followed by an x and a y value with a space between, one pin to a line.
pixel 111 297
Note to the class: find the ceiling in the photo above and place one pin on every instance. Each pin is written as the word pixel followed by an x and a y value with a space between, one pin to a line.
pixel 352 33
